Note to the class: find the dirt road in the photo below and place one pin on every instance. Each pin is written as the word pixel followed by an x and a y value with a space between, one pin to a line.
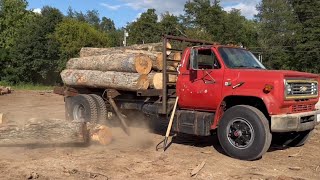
pixel 51 154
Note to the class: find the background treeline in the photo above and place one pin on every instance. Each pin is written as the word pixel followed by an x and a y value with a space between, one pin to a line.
pixel 34 47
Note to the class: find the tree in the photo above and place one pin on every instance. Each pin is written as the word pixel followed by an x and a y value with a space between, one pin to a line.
pixel 170 25
pixel 145 29
pixel 277 33
pixel 73 35
pixel 13 14
pixel 206 17
pixel 36 54
pixel 107 25
pixel 92 17
pixel 308 47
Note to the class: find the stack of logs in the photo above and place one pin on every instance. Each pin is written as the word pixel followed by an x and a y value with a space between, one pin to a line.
pixel 5 90
pixel 129 68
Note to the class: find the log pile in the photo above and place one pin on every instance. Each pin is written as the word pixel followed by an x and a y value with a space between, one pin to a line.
pixel 131 68
pixel 5 90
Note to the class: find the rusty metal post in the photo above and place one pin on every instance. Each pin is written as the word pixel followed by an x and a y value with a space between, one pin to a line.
pixel 164 76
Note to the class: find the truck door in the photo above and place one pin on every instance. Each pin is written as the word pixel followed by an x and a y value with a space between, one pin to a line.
pixel 200 81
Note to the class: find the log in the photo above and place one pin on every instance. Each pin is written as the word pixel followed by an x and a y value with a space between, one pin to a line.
pixel 172 56
pixel 155 80
pixel 105 80
pixel 121 62
pixel 5 90
pixel 152 47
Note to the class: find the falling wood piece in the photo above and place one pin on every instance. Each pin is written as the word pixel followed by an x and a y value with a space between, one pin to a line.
pixel 156 80
pixel 120 62
pixel 2 118
pixel 109 79
pixel 196 170
pixel 102 134
pixel 152 47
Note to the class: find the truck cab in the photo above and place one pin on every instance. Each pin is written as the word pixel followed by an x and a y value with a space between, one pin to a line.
pixel 251 104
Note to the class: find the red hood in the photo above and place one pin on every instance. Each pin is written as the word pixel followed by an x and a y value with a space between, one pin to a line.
pixel 270 74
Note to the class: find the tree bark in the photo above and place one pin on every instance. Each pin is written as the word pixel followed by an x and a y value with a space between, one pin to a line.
pixel 155 80
pixel 152 47
pixel 120 62
pixel 109 79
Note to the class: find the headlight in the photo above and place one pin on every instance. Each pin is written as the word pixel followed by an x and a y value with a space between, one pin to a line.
pixel 314 88
pixel 288 89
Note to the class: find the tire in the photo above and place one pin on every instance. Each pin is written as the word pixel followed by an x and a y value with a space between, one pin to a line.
pixel 244 132
pixel 84 108
pixel 294 139
pixel 101 108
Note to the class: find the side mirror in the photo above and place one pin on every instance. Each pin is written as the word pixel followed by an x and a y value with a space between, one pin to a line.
pixel 194 59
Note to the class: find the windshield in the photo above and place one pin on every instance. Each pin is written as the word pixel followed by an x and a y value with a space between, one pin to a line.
pixel 239 58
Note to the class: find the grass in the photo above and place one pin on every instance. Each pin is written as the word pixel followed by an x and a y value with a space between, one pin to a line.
pixel 27 86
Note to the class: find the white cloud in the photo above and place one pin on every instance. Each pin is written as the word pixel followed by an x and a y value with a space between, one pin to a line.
pixel 176 7
pixel 247 10
pixel 111 7
pixel 37 10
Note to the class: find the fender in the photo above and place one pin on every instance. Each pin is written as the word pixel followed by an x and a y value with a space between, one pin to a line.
pixel 269 100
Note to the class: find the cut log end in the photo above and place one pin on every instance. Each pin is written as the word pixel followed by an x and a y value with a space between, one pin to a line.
pixel 143 82
pixel 103 135
pixel 169 46
pixel 143 64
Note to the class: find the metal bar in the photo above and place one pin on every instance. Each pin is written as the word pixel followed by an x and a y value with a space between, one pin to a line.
pixel 164 76
pixel 171 83
pixel 172 49
pixel 173 73
pixel 172 60
pixel 120 116
pixel 189 40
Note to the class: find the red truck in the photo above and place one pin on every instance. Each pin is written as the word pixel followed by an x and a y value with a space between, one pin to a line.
pixel 220 88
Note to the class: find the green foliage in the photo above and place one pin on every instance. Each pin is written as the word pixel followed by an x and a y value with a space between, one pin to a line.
pixel 145 29
pixel 73 35
pixel 36 54
pixel 13 14
pixel 308 45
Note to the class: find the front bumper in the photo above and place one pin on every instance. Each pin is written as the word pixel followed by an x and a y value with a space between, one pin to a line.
pixel 295 122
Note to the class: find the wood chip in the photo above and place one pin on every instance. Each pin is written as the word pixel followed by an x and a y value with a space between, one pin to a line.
pixel 2 118
pixel 295 168
pixel 196 170
pixel 296 154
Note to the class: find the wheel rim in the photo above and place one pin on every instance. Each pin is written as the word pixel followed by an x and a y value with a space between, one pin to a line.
pixel 240 133
pixel 79 112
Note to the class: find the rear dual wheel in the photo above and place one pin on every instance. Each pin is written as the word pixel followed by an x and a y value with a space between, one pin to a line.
pixel 86 108
pixel 244 132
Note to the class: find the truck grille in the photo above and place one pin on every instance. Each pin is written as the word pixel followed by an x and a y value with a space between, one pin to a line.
pixel 302 108
pixel 301 89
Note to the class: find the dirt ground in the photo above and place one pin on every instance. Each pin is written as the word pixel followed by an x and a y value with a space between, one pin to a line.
pixel 52 154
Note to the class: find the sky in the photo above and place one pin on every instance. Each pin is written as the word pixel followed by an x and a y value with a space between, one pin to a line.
pixel 126 11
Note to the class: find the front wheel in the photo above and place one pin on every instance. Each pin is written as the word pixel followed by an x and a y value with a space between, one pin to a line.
pixel 244 132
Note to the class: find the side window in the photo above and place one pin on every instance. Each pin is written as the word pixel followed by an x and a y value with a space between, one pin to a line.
pixel 207 59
